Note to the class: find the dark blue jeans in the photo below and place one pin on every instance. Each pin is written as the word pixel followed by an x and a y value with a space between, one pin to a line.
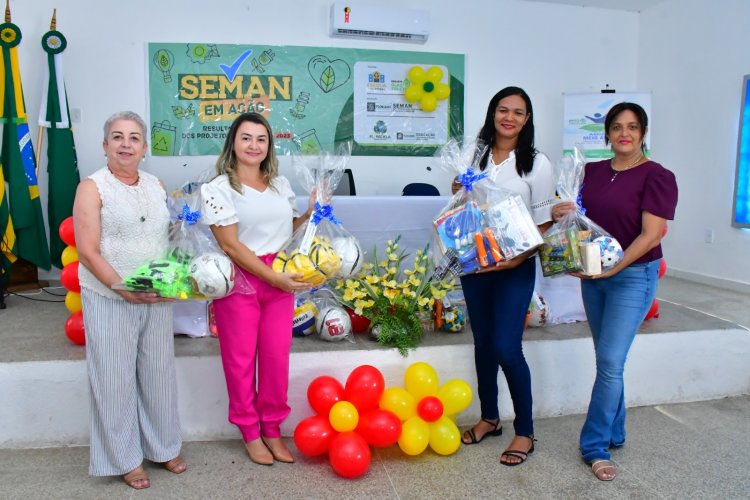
pixel 615 308
pixel 497 303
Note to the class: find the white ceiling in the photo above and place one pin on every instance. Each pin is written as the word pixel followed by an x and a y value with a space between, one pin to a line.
pixel 625 5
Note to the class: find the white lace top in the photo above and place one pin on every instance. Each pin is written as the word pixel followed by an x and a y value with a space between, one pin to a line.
pixel 134 226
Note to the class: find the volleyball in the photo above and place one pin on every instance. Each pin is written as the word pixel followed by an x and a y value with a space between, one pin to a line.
pixel 348 250
pixel 303 323
pixel 333 324
pixel 213 273
pixel 538 311
pixel 454 319
pixel 610 250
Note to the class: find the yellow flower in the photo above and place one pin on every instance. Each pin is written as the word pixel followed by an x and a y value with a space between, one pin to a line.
pixel 423 301
pixel 393 257
pixel 8 35
pixel 372 279
pixel 390 293
pixel 415 281
pixel 425 87
pixel 390 283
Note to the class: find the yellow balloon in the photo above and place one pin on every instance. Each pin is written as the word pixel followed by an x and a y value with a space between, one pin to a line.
pixel 413 93
pixel 69 254
pixel 398 401
pixel 415 436
pixel 428 102
pixel 455 395
pixel 434 74
pixel 421 380
pixel 444 437
pixel 343 416
pixel 442 91
pixel 73 301
pixel 417 75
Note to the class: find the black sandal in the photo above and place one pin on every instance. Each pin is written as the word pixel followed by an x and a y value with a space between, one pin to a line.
pixel 497 431
pixel 522 455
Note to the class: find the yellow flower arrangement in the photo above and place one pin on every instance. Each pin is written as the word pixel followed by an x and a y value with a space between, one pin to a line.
pixel 392 298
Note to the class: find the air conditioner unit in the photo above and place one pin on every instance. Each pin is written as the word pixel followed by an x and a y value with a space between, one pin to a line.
pixel 379 22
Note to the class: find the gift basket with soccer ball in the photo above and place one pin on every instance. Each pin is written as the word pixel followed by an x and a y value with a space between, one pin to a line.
pixel 194 266
pixel 482 224
pixel 575 243
pixel 321 249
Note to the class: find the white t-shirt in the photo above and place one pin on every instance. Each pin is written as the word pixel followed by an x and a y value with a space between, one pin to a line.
pixel 264 218
pixel 537 188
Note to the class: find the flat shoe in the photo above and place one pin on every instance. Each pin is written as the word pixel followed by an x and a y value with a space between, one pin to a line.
pixel 176 466
pixel 279 451
pixel 137 478
pixel 259 453
pixel 523 455
pixel 497 431
pixel 600 470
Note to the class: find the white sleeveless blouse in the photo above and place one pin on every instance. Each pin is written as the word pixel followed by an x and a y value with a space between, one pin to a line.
pixel 134 226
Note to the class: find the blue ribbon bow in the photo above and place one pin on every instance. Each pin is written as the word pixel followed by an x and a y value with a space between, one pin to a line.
pixel 323 212
pixel 579 201
pixel 469 178
pixel 188 216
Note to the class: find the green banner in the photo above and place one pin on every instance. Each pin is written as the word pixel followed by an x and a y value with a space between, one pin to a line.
pixel 388 103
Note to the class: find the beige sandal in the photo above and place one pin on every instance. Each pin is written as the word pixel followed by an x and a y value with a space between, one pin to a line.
pixel 598 467
pixel 279 450
pixel 137 478
pixel 176 466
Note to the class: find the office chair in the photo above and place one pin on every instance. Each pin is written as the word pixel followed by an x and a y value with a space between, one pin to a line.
pixel 420 189
pixel 346 184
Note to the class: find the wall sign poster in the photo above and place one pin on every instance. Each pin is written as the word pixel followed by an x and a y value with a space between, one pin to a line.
pixel 314 98
pixel 583 120
pixel 741 216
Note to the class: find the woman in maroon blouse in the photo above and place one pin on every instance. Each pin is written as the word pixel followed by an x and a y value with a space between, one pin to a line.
pixel 631 197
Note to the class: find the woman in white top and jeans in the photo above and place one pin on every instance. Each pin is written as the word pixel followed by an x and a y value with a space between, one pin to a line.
pixel 252 212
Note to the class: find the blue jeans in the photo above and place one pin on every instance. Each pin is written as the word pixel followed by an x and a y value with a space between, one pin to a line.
pixel 615 308
pixel 497 303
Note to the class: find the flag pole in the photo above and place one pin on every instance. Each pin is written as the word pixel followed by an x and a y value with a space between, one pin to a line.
pixel 40 136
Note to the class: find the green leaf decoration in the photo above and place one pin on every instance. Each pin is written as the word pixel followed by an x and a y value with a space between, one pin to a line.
pixel 327 79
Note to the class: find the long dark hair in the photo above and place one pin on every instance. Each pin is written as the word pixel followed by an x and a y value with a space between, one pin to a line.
pixel 640 115
pixel 525 150
pixel 227 161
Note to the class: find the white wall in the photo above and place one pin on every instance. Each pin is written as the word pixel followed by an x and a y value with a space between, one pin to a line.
pixel 693 54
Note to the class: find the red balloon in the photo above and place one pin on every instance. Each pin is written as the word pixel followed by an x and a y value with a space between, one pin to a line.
pixel 380 428
pixel 364 387
pixel 313 435
pixel 359 323
pixel 664 231
pixel 662 267
pixel 654 311
pixel 69 277
pixel 67 232
pixel 349 455
pixel 323 393
pixel 74 328
pixel 430 409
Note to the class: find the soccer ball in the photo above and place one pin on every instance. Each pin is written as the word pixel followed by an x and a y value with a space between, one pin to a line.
pixel 538 311
pixel 303 264
pixel 324 257
pixel 610 250
pixel 213 273
pixel 454 319
pixel 303 323
pixel 350 254
pixel 333 324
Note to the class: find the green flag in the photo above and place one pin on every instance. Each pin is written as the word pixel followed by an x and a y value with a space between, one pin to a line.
pixel 62 163
pixel 19 166
pixel 8 241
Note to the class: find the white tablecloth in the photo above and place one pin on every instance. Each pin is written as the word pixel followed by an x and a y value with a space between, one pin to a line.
pixel 375 219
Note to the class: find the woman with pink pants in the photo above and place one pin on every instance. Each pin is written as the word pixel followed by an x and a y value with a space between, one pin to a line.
pixel 252 213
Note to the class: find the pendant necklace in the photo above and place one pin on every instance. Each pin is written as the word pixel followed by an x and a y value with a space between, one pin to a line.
pixel 616 172
pixel 136 193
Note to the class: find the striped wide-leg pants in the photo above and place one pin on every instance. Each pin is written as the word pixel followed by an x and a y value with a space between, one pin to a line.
pixel 130 360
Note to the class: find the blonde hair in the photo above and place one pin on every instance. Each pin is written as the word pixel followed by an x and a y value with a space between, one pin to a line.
pixel 227 161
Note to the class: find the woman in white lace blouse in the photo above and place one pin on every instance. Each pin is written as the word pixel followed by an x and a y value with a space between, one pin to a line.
pixel 121 221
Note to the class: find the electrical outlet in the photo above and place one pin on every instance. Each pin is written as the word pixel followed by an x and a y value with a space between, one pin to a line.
pixel 709 236
pixel 75 115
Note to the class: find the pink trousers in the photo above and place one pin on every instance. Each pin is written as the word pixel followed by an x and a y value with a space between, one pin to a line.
pixel 255 333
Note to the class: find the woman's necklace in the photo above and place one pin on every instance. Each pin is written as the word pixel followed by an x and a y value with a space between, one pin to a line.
pixel 136 194
pixel 133 183
pixel 615 172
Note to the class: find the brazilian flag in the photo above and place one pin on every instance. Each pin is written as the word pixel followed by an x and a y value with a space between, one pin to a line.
pixel 18 164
